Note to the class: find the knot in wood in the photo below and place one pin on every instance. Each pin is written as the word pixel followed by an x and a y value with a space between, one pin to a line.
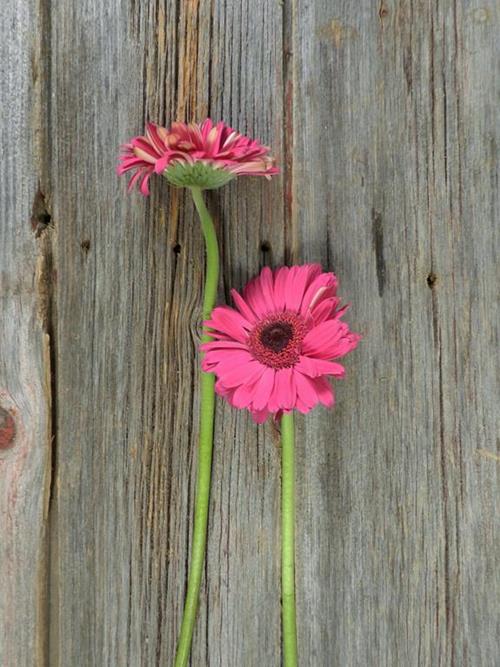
pixel 7 429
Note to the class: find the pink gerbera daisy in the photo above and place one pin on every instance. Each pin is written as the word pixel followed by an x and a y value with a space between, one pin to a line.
pixel 275 352
pixel 192 155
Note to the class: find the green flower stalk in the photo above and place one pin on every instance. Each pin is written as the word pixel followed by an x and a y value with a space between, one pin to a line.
pixel 288 613
pixel 207 409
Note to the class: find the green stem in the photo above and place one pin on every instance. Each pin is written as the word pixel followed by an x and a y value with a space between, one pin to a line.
pixel 212 270
pixel 207 407
pixel 289 623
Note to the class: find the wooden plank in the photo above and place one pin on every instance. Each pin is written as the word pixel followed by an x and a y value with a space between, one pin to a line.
pixel 395 188
pixel 128 308
pixel 25 435
pixel 468 330
pixel 243 572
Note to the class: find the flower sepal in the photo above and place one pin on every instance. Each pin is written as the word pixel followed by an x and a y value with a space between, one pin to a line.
pixel 197 175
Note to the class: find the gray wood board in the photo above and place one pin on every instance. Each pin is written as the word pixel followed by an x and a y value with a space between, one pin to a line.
pixel 25 410
pixel 130 276
pixel 384 119
pixel 395 115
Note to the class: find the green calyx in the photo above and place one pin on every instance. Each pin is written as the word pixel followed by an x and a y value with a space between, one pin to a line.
pixel 197 175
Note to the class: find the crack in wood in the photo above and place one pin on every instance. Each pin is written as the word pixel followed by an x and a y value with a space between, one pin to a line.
pixel 378 247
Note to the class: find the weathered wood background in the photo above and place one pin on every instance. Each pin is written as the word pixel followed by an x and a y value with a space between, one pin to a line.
pixel 384 117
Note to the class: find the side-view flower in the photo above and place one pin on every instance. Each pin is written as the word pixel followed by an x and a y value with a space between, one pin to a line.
pixel 205 155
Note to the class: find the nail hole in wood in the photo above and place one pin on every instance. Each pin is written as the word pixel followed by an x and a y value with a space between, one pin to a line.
pixel 85 245
pixel 431 279
pixel 265 246
pixel 40 216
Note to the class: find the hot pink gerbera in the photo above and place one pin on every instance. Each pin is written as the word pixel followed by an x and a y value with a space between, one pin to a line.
pixel 205 156
pixel 274 353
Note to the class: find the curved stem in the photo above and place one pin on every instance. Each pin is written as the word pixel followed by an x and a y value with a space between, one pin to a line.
pixel 212 249
pixel 289 623
pixel 207 407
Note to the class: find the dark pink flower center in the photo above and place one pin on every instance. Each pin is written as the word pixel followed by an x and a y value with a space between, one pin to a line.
pixel 276 336
pixel 276 340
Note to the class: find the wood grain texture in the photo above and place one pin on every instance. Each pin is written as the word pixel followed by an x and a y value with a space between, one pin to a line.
pixel 384 118
pixel 394 113
pixel 25 435
pixel 130 275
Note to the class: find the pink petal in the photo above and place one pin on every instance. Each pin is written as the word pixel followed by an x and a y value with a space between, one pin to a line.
pixel 144 150
pixel 134 179
pixel 144 184
pixel 161 164
pixel 216 335
pixel 317 295
pixel 222 345
pixel 229 321
pixel 316 367
pixel 323 286
pixel 213 139
pixel 154 136
pixel 329 340
pixel 316 298
pixel 206 128
pixel 306 392
pixel 260 416
pixel 243 396
pixel 290 297
pixel 267 287
pixel 227 360
pixel 301 406
pixel 324 391
pixel 221 361
pixel 223 391
pixel 245 374
pixel 325 310
pixel 280 280
pixel 255 299
pixel 347 344
pixel 243 307
pixel 298 280
pixel 284 393
pixel 208 365
pixel 129 163
pixel 342 310
pixel 263 389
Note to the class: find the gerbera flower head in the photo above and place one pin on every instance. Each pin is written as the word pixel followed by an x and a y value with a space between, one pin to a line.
pixel 275 352
pixel 205 155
